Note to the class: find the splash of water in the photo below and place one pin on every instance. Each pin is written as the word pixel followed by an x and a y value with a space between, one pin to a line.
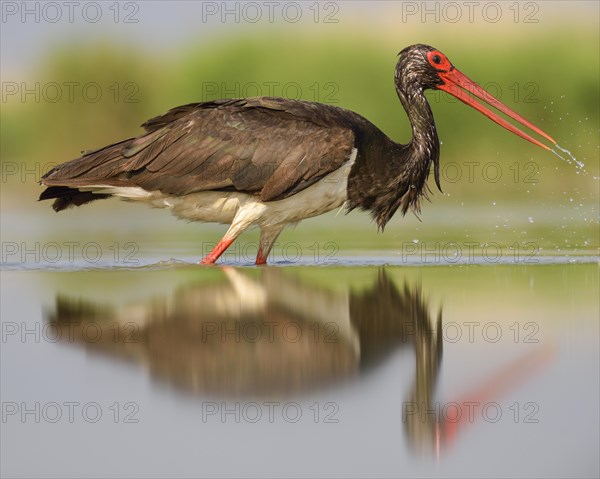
pixel 571 159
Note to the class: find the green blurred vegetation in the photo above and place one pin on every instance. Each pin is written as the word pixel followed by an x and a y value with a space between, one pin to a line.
pixel 562 83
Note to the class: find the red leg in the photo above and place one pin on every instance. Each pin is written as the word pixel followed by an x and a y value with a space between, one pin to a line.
pixel 217 251
pixel 261 258
pixel 268 235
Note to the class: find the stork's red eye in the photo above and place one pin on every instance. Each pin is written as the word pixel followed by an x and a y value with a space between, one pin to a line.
pixel 438 60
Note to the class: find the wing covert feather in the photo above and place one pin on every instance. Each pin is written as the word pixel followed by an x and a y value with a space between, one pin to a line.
pixel 270 147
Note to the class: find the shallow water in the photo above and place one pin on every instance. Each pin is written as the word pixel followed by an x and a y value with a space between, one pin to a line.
pixel 365 367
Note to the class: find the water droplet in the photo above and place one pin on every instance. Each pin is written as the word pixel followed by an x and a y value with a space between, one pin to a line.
pixel 579 164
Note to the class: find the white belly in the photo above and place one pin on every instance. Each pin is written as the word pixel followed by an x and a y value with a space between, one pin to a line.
pixel 224 207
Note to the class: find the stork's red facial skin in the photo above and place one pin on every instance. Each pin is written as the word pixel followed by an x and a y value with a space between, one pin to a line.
pixel 439 61
pixel 458 84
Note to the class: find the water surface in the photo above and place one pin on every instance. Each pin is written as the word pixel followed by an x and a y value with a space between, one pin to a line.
pixel 354 370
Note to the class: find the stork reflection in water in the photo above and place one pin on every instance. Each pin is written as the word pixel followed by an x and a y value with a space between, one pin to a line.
pixel 277 336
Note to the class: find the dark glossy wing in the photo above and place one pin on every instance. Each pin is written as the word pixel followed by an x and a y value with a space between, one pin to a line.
pixel 271 147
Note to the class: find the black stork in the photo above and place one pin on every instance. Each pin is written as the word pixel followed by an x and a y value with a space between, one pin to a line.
pixel 270 162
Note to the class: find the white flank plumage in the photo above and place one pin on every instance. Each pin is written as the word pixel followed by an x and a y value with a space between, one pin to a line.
pixel 242 210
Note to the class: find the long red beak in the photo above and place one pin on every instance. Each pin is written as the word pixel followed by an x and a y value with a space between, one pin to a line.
pixel 456 83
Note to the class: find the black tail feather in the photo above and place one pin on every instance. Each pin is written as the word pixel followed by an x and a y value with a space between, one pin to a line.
pixel 66 197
